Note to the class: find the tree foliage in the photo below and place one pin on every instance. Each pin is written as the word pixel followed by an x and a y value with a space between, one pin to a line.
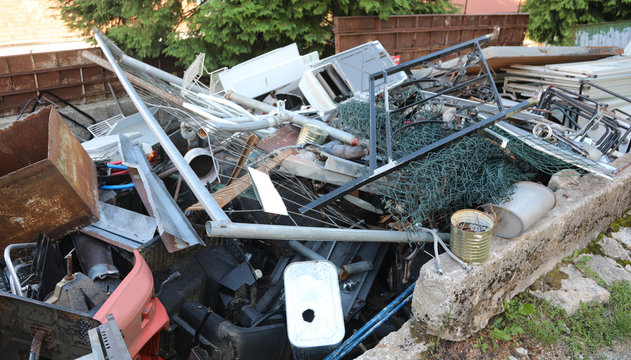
pixel 228 31
pixel 551 21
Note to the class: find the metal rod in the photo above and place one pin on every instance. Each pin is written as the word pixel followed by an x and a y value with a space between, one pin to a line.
pixel 500 106
pixel 195 184
pixel 294 118
pixel 372 324
pixel 283 232
pixel 422 60
pixel 386 104
pixel 373 128
pixel 399 163
pixel 14 280
pixel 36 346
pixel 139 65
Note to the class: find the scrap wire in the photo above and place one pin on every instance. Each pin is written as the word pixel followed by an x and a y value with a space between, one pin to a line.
pixel 438 240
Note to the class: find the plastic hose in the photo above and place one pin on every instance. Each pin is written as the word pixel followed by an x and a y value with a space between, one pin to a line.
pixel 117 187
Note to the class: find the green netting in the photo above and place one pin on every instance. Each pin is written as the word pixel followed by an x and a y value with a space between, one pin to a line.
pixel 467 173
pixel 539 160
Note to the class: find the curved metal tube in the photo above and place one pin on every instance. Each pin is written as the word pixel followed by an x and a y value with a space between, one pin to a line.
pixel 14 281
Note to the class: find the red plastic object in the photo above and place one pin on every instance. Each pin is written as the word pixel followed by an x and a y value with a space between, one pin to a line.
pixel 137 313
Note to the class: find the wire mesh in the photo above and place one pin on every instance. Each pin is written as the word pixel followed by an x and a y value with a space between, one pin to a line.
pixel 467 173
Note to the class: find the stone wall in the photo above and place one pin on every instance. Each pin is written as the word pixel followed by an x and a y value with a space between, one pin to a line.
pixel 459 303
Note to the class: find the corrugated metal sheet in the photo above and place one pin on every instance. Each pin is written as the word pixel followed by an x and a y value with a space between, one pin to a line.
pixel 412 36
pixel 605 34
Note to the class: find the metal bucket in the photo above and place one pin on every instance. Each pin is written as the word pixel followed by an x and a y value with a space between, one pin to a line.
pixel 528 203
pixel 471 246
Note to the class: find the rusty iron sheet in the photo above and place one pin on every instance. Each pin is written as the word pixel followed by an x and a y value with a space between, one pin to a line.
pixel 47 180
pixel 285 136
pixel 412 36
pixel 65 332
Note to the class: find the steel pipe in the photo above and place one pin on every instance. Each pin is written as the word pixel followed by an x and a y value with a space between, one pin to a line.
pixel 195 184
pixel 283 232
pixel 294 118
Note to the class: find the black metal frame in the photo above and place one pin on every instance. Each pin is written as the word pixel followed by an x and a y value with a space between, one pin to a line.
pixel 574 105
pixel 376 172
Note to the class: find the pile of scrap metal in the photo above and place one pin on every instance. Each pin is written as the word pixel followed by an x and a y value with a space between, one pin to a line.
pixel 247 218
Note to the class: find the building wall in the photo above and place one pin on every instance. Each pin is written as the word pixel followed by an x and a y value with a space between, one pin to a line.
pixel 27 22
pixel 489 6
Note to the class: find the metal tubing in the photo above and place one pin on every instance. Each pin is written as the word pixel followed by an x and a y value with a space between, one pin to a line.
pixel 137 64
pixel 433 56
pixel 14 280
pixel 356 268
pixel 500 106
pixel 372 324
pixel 36 346
pixel 283 232
pixel 294 118
pixel 195 184
pixel 305 251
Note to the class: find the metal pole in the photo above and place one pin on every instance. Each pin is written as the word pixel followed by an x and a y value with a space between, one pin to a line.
pixel 338 134
pixel 208 202
pixel 139 65
pixel 283 232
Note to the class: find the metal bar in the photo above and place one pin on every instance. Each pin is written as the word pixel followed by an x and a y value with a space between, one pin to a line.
pixel 195 184
pixel 500 106
pixel 133 79
pixel 433 56
pixel 589 83
pixel 397 164
pixel 176 231
pixel 139 65
pixel 294 118
pixel 36 346
pixel 118 104
pixel 372 324
pixel 386 104
pixel 284 232
pixel 373 128
pixel 435 95
pixel 50 70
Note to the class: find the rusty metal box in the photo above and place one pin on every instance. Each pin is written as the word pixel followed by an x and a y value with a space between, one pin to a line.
pixel 47 181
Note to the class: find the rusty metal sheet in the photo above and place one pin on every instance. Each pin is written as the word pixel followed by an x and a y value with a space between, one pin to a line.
pixel 412 36
pixel 4 66
pixel 47 180
pixel 285 136
pixel 65 331
pixel 79 81
pixel 45 60
pixel 20 63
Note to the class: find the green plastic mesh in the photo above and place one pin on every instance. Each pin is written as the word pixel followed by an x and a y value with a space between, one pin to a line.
pixel 467 173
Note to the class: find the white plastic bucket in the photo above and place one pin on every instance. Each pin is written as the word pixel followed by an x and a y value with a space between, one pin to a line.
pixel 528 203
